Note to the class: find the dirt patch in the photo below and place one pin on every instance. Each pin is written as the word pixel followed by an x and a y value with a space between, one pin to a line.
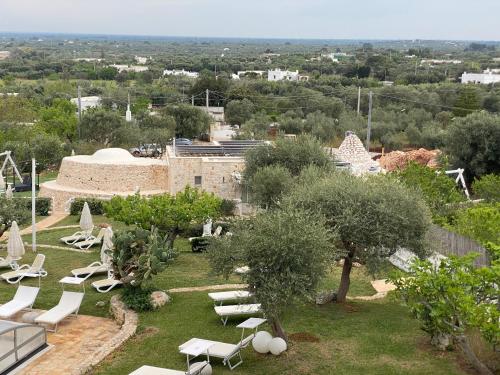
pixel 349 308
pixel 146 333
pixel 303 337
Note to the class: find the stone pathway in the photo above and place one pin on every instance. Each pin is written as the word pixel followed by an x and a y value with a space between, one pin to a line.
pixel 42 225
pixel 45 223
pixel 382 287
pixel 75 341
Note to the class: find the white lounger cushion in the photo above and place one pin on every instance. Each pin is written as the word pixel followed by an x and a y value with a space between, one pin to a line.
pixel 68 304
pixel 78 236
pixel 150 370
pixel 25 297
pixel 35 270
pixel 105 285
pixel 230 295
pixel 231 310
pixel 90 270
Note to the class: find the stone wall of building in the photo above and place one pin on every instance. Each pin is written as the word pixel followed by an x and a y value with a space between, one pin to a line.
pixel 113 177
pixel 215 172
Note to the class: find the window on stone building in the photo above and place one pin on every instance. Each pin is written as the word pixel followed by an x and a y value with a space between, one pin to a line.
pixel 197 180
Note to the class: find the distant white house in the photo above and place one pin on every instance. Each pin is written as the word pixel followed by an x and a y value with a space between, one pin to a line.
pixel 130 68
pixel 88 59
pixel 88 102
pixel 439 62
pixel 485 78
pixel 141 60
pixel 182 72
pixel 285 75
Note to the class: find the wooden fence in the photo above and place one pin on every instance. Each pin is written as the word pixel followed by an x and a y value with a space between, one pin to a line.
pixel 449 243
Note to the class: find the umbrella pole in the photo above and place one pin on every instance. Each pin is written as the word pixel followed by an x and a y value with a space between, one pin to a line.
pixel 33 202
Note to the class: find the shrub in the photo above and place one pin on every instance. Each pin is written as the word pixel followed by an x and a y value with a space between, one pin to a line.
pixel 96 206
pixel 227 207
pixel 481 223
pixel 42 205
pixel 137 298
pixel 488 187
pixel 438 190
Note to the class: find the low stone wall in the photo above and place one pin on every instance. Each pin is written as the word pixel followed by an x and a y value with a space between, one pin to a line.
pixel 128 320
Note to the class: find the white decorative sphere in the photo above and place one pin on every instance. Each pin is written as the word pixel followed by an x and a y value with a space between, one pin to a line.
pixel 261 342
pixel 207 370
pixel 277 346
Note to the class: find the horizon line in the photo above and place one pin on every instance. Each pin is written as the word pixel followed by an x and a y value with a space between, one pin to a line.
pixel 244 37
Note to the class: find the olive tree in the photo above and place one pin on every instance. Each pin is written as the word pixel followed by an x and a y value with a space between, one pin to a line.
pixel 287 252
pixel 373 215
pixel 268 184
pixel 11 211
pixel 170 214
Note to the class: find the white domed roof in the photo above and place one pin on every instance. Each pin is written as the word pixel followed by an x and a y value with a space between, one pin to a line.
pixel 112 154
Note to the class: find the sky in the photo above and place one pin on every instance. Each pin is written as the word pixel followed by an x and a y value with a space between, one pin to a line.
pixel 318 19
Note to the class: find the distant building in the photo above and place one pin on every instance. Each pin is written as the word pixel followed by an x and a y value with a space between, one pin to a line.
pixel 88 59
pixel 217 113
pixel 182 72
pixel 4 55
pixel 141 60
pixel 485 78
pixel 130 68
pixel 88 102
pixel 388 83
pixel 285 75
pixel 440 62
pixel 282 75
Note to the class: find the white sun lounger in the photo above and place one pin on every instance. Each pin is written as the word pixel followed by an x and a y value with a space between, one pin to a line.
pixel 8 262
pixel 196 369
pixel 242 270
pixel 235 295
pixel 77 236
pixel 23 299
pixel 68 304
pixel 35 270
pixel 225 312
pixel 91 241
pixel 105 285
pixel 91 269
pixel 225 351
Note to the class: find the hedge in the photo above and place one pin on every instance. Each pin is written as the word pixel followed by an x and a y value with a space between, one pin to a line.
pixel 96 206
pixel 42 205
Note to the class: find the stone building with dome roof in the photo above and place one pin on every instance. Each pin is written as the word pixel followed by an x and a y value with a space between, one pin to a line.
pixel 353 152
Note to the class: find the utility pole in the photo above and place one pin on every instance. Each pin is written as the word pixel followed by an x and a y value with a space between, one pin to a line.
pixel 33 202
pixel 368 133
pixel 79 110
pixel 206 99
pixel 359 99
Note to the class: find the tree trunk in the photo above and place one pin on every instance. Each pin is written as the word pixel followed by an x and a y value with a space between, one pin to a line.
pixel 464 344
pixel 171 236
pixel 278 330
pixel 345 279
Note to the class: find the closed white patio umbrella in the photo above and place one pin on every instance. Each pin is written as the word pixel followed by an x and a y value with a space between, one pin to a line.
pixel 107 246
pixel 15 245
pixel 86 223
pixel 8 193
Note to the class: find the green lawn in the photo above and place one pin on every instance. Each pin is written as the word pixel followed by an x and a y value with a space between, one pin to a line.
pixel 377 337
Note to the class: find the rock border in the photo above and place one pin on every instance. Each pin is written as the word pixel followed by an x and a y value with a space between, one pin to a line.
pixel 128 321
